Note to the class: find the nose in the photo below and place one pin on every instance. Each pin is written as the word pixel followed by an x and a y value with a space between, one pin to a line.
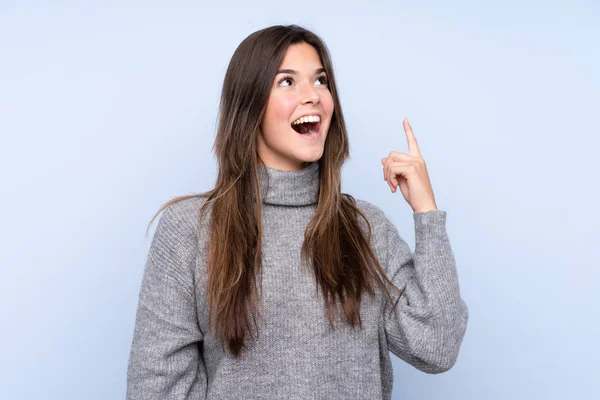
pixel 308 94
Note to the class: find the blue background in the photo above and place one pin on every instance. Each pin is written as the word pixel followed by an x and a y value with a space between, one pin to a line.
pixel 108 109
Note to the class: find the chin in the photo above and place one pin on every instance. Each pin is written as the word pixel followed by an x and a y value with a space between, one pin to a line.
pixel 310 158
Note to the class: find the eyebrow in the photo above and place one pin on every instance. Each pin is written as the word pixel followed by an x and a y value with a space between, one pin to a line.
pixel 294 72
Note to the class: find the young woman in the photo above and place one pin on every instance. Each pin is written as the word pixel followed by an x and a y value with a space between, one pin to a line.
pixel 275 285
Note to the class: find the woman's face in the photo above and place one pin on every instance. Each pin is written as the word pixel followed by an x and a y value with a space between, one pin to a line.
pixel 286 141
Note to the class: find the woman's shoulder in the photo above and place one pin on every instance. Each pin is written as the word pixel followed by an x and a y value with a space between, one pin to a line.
pixel 374 214
pixel 181 215
pixel 186 204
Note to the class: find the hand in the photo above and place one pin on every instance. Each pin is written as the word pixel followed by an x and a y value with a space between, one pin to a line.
pixel 410 173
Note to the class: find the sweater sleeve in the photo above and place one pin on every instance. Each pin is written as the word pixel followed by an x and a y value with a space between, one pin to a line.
pixel 426 325
pixel 165 359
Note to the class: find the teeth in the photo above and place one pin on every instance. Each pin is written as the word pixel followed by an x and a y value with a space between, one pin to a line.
pixel 310 118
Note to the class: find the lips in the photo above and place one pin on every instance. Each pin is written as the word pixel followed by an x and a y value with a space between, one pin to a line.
pixel 307 127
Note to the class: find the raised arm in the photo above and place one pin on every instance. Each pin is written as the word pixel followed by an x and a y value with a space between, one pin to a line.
pixel 426 325
pixel 165 361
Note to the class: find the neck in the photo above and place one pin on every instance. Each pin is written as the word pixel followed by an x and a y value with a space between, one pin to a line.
pixel 290 188
pixel 284 167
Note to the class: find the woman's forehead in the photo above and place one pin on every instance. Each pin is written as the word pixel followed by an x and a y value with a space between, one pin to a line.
pixel 302 58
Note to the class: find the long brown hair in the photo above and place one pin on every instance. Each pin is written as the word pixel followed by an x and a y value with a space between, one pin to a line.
pixel 335 246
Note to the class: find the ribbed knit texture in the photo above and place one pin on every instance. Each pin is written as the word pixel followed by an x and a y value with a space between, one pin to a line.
pixel 296 355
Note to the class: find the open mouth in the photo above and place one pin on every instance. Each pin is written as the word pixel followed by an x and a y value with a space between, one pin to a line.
pixel 307 128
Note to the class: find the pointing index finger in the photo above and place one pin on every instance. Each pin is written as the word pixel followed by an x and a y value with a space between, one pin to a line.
pixel 413 147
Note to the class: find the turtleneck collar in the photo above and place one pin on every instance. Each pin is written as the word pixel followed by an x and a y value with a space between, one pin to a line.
pixel 290 188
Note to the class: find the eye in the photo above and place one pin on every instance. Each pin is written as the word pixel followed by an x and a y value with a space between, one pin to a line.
pixel 323 80
pixel 285 79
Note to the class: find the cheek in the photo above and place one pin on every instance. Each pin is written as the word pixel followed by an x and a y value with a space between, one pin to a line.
pixel 327 102
pixel 280 109
pixel 277 116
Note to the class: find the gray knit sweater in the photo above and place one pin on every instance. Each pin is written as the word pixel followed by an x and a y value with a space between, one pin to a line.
pixel 296 355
